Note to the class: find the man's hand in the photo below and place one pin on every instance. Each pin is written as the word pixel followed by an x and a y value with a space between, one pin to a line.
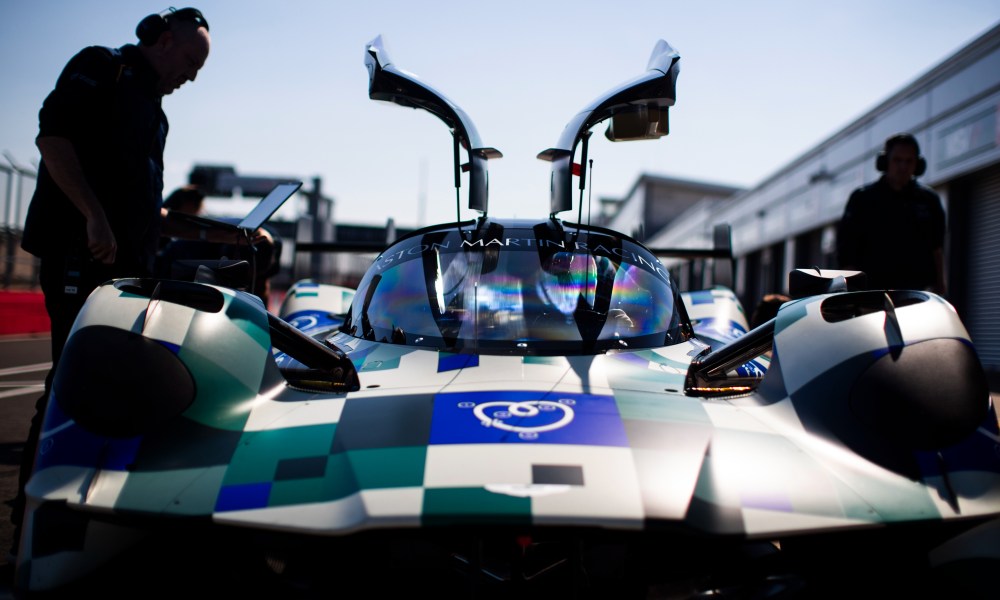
pixel 100 240
pixel 262 236
pixel 225 236
pixel 179 228
pixel 64 166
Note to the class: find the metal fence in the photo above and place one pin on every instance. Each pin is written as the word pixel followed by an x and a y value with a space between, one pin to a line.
pixel 19 269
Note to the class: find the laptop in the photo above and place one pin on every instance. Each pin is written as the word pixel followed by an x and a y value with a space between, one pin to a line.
pixel 234 273
pixel 260 213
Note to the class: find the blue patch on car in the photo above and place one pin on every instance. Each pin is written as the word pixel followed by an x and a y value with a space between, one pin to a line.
pixel 527 417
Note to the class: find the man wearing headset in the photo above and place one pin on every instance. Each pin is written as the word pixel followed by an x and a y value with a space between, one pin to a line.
pixel 893 229
pixel 96 211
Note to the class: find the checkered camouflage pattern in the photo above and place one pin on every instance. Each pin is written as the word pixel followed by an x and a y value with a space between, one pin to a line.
pixel 433 438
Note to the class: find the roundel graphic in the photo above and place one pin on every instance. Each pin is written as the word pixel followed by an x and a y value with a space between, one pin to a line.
pixel 531 417
pixel 490 417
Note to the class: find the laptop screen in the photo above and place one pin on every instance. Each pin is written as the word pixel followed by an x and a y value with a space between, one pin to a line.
pixel 269 204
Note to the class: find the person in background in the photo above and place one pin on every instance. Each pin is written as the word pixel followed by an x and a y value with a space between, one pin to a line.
pixel 188 199
pixel 893 229
pixel 767 309
pixel 193 243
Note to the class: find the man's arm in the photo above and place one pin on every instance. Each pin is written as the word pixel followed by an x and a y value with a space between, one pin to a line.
pixel 178 227
pixel 64 166
pixel 940 287
pixel 849 243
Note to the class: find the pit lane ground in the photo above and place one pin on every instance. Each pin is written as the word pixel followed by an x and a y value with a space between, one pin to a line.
pixel 24 363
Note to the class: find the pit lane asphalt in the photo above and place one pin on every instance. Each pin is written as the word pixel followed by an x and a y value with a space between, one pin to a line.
pixel 24 363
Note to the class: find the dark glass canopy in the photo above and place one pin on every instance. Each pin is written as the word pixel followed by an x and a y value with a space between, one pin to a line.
pixel 518 287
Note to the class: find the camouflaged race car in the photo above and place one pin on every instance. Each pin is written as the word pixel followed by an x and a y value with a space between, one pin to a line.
pixel 518 407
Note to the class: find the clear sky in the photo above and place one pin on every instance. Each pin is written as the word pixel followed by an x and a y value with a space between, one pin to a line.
pixel 284 91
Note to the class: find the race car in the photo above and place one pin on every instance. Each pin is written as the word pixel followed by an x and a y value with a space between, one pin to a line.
pixel 517 407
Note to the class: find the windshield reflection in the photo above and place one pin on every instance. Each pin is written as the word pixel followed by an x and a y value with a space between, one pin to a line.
pixel 519 289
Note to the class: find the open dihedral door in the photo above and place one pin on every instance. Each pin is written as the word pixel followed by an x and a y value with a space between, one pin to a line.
pixel 637 109
pixel 390 84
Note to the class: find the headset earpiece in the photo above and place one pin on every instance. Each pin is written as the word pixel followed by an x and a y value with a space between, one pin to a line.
pixel 150 28
pixel 882 159
pixel 153 26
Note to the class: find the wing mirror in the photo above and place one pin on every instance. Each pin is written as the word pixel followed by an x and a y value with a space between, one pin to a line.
pixel 638 123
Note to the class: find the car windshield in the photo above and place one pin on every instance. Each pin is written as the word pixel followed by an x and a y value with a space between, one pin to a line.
pixel 518 289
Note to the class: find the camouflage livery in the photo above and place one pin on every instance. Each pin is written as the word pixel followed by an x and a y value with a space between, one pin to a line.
pixel 432 438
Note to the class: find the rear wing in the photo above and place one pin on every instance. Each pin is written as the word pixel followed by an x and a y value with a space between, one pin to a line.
pixel 721 253
pixel 359 247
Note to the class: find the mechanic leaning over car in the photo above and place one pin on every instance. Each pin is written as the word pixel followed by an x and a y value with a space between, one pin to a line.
pixel 96 211
pixel 893 229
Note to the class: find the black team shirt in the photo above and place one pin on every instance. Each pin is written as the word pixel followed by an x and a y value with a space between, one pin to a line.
pixel 106 103
pixel 892 236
